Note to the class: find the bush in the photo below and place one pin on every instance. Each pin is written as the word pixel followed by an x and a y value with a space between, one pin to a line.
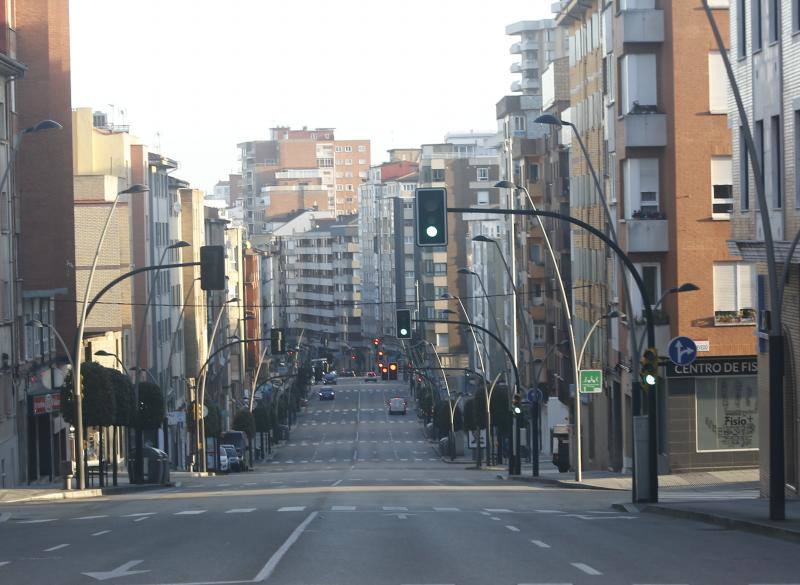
pixel 245 421
pixel 262 418
pixel 124 399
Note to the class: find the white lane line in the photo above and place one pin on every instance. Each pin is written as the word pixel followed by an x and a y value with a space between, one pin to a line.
pixel 56 547
pixel 101 533
pixel 189 512
pixel 395 509
pixel 338 481
pixel 240 510
pixel 292 509
pixel 435 509
pixel 139 514
pixel 494 518
pixel 250 483
pixel 4 517
pixel 512 528
pixel 91 517
pixel 549 511
pixel 540 544
pixel 4 563
pixel 498 510
pixel 545 584
pixel 586 569
pixel 486 513
pixel 343 508
pixel 273 561
pixel 142 518
pixel 43 520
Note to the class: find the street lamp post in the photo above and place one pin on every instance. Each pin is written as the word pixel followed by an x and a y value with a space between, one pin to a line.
pixel 139 461
pixel 200 425
pixel 78 354
pixel 115 438
pixel 536 409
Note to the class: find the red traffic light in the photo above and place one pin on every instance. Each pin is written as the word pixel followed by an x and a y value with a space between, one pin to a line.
pixel 384 369
pixel 376 341
pixel 353 357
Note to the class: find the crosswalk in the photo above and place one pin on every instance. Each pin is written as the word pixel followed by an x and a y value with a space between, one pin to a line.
pixel 356 459
pixel 666 495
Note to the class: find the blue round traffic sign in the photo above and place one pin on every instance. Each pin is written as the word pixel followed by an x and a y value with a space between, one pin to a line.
pixel 682 350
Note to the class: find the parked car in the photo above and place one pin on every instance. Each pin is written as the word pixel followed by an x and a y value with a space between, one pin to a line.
pixel 348 374
pixel 239 440
pixel 234 463
pixel 397 405
pixel 329 378
pixel 327 394
pixel 370 377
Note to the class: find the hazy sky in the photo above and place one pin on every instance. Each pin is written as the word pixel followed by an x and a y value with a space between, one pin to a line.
pixel 201 75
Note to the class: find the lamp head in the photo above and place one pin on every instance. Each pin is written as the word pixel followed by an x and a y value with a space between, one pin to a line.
pixel 466 271
pixel 688 287
pixel 548 119
pixel 178 244
pixel 136 188
pixel 612 314
pixel 43 125
pixel 103 353
pixel 34 323
pixel 482 238
pixel 505 185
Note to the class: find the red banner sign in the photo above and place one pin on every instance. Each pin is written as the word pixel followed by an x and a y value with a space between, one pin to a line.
pixel 45 403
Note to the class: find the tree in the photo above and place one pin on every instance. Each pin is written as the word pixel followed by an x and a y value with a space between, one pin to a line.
pixel 213 421
pixel 261 418
pixel 245 421
pixel 150 413
pixel 98 396
pixel 124 399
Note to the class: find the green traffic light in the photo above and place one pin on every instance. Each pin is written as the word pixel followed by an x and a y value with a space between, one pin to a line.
pixel 431 231
pixel 650 380
pixel 404 331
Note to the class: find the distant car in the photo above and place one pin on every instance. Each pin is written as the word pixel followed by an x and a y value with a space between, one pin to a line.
pixel 397 406
pixel 224 464
pixel 348 374
pixel 234 461
pixel 329 378
pixel 370 377
pixel 327 394
pixel 239 442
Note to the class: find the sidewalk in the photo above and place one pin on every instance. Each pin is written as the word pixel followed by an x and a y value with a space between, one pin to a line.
pixel 748 515
pixel 55 491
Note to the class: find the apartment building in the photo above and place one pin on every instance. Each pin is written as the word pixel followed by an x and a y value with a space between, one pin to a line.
pixel 663 154
pixel 765 57
pixel 386 235
pixel 301 169
pixel 41 283
pixel 468 166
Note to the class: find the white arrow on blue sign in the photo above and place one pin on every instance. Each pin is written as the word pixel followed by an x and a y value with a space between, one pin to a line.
pixel 682 351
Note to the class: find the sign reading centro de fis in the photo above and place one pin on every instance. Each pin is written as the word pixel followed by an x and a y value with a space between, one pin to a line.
pixel 715 366
pixel 591 381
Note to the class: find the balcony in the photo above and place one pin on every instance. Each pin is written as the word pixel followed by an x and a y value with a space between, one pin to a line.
pixel 642 26
pixel 740 317
pixel 642 130
pixel 644 235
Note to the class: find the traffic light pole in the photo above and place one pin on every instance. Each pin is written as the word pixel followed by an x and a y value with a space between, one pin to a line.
pixel 652 495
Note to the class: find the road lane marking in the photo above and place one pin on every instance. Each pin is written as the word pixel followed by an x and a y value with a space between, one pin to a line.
pixel 292 509
pixel 343 508
pixel 240 510
pixel 91 517
pixel 549 511
pixel 498 510
pixel 512 528
pixel 142 518
pixel 139 514
pixel 395 509
pixel 335 483
pixel 495 518
pixel 4 563
pixel 586 569
pixel 56 547
pixel 273 561
pixel 189 512
pixel 540 544
pixel 4 517
pixel 101 533
pixel 435 509
pixel 42 521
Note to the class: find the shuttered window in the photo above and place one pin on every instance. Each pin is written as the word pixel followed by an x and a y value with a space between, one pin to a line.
pixel 721 187
pixel 717 84
pixel 734 292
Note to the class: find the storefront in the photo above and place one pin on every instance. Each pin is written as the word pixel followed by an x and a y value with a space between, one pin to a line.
pixel 711 409
pixel 47 433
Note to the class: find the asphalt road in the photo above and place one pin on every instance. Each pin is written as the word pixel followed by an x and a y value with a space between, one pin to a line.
pixel 360 498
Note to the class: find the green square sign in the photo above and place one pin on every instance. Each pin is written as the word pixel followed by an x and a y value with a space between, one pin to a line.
pixel 591 381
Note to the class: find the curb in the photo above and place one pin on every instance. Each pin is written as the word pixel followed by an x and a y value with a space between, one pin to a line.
pixel 561 483
pixel 91 493
pixel 725 521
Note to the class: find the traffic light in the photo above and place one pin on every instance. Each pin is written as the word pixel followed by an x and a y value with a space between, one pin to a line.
pixel 277 341
pixel 381 355
pixel 376 342
pixel 431 217
pixel 393 371
pixel 516 404
pixel 212 268
pixel 649 367
pixel 403 323
pixel 384 373
pixel 354 357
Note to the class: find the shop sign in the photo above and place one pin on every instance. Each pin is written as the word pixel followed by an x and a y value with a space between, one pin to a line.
pixel 715 366
pixel 44 403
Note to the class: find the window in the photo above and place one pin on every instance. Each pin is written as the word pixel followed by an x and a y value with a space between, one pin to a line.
pixel 536 253
pixel 741 31
pixel 483 198
pixel 348 161
pixel 533 173
pixel 721 187
pixel 774 20
pixel 362 161
pixel 348 149
pixel 638 82
pixel 483 174
pixel 744 172
pixel 641 188
pixel 440 268
pixel 759 140
pixel 734 293
pixel 755 24
pixel 797 152
pixel 538 334
pixel 338 149
pixel 362 148
pixel 777 160
pixel 437 175
pixel 717 84
pixel 442 340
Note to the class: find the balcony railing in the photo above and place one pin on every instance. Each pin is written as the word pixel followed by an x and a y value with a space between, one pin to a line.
pixel 740 317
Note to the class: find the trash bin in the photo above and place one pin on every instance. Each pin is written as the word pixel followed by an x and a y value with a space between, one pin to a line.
pixel 560 433
pixel 155 468
pixel 283 432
